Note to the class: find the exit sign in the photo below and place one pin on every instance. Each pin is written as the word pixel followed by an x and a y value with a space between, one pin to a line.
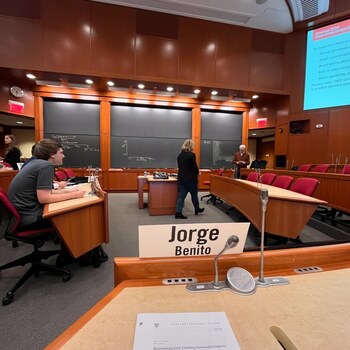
pixel 16 107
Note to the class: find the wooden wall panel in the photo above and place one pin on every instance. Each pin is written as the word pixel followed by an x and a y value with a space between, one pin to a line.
pixel 21 43
pixel 281 139
pixel 197 49
pixel 156 57
pixel 67 36
pixel 233 48
pixel 267 71
pixel 112 39
pixel 338 137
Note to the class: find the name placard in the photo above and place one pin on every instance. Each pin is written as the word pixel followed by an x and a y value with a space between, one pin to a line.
pixel 190 239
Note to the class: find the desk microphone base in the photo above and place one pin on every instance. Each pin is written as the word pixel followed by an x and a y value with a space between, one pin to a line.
pixel 205 287
pixel 271 281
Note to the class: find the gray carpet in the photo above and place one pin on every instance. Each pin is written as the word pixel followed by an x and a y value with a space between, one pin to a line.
pixel 46 306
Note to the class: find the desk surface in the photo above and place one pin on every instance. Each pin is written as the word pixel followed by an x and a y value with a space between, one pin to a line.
pixel 312 311
pixel 286 214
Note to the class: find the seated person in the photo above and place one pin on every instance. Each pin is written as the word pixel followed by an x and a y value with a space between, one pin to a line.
pixel 258 164
pixel 31 188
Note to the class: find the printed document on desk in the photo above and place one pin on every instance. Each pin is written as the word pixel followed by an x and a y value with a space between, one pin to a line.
pixel 179 331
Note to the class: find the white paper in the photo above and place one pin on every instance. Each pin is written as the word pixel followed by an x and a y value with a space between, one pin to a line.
pixel 184 331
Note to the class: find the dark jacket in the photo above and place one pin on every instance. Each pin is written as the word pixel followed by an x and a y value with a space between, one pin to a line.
pixel 13 156
pixel 188 169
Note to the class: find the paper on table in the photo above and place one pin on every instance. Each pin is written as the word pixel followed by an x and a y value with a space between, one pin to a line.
pixel 178 331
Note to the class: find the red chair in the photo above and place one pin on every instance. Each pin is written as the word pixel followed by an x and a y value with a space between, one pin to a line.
pixel 345 170
pixel 268 178
pixel 69 173
pixel 304 167
pixel 283 181
pixel 320 168
pixel 60 175
pixel 211 197
pixel 305 185
pixel 10 230
pixel 254 177
pixel 6 165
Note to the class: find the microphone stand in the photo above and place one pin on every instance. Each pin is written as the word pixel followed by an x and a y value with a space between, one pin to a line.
pixel 261 281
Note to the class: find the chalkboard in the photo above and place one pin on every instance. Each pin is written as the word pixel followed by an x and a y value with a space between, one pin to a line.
pixel 77 125
pixel 221 135
pixel 148 137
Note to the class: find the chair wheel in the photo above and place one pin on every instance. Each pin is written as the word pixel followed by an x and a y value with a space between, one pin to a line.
pixel 7 300
pixel 66 277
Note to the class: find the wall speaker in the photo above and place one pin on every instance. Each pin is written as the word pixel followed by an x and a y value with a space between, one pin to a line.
pixel 305 9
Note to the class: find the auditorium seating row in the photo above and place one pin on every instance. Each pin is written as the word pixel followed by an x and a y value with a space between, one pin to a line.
pixel 323 168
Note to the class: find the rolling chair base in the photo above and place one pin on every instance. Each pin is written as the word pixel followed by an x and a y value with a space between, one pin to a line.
pixel 212 199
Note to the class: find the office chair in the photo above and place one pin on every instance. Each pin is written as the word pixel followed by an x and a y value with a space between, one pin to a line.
pixel 283 181
pixel 254 177
pixel 305 185
pixel 9 229
pixel 60 175
pixel 69 173
pixel 320 168
pixel 268 178
pixel 304 167
pixel 212 198
pixel 345 170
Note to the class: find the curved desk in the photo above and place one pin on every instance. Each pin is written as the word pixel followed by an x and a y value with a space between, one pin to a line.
pixel 287 212
pixel 81 223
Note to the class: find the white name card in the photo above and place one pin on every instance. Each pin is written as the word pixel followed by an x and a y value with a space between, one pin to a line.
pixel 190 239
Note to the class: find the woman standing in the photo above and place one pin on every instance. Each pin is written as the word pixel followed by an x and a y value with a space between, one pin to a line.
pixel 187 179
pixel 12 153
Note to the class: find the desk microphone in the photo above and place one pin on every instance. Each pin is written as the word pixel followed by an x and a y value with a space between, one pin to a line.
pixel 237 279
pixel 261 281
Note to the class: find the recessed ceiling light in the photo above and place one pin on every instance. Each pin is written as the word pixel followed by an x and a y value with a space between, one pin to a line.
pixel 89 81
pixel 110 83
pixel 31 76
pixel 169 88
pixel 255 96
pixel 214 92
pixel 141 86
pixel 19 122
pixel 197 91
pixel 254 134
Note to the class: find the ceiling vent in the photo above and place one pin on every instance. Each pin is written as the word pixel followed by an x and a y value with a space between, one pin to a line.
pixel 305 9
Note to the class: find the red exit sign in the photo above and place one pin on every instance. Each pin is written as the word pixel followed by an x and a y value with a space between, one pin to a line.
pixel 16 107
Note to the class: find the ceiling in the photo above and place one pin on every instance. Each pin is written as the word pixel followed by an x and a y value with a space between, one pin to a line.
pixel 270 15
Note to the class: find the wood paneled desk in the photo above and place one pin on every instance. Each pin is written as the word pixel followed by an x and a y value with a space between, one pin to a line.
pixel 162 195
pixel 287 212
pixel 312 310
pixel 81 223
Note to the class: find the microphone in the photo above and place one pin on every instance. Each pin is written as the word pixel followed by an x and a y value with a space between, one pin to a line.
pixel 264 196
pixel 237 280
pixel 231 242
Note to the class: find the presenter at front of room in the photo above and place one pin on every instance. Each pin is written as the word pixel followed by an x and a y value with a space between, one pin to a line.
pixel 241 159
pixel 187 179
pixel 12 153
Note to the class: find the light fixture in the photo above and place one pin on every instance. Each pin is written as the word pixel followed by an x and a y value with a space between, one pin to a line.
pixel 141 86
pixel 31 76
pixel 169 88
pixel 214 93
pixel 89 81
pixel 255 97
pixel 19 122
pixel 110 83
pixel 197 91
pixel 254 134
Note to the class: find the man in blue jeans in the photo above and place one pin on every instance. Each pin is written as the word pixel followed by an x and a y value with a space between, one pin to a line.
pixel 187 179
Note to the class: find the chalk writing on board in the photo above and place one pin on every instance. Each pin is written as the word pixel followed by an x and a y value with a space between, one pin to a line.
pixel 137 158
pixel 71 142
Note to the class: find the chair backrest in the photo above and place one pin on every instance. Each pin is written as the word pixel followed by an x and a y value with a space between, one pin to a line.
pixel 320 168
pixel 9 217
pixel 60 175
pixel 346 170
pixel 305 185
pixel 304 167
pixel 253 177
pixel 6 165
pixel 268 178
pixel 221 171
pixel 283 181
pixel 69 173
